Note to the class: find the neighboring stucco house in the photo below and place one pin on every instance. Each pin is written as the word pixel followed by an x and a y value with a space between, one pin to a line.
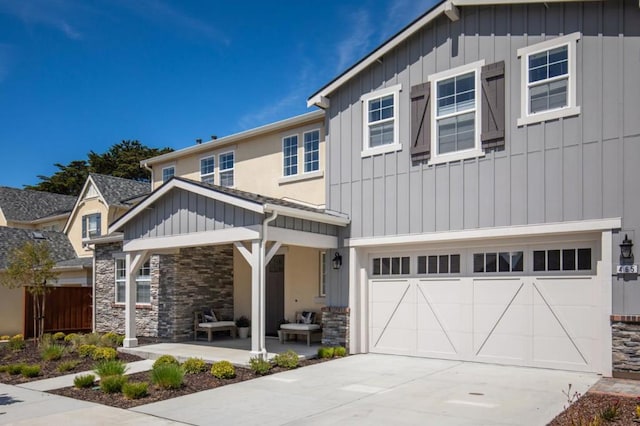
pixel 220 211
pixel 487 158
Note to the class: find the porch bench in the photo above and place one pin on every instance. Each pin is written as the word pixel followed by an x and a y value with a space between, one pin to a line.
pixel 301 329
pixel 210 327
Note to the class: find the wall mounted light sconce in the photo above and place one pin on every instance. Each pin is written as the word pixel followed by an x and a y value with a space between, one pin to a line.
pixel 626 249
pixel 337 261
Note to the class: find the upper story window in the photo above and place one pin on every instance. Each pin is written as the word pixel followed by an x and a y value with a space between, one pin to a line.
pixel 456 114
pixel 290 155
pixel 168 173
pixel 207 169
pixel 549 80
pixel 227 161
pixel 91 225
pixel 311 151
pixel 380 118
pixel 143 282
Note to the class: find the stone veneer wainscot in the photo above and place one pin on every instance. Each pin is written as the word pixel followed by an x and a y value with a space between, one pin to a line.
pixel 181 283
pixel 625 331
pixel 335 326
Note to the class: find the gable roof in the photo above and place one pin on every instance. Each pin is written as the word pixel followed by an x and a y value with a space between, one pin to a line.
pixel 12 238
pixel 247 200
pixel 24 205
pixel 448 7
pixel 118 191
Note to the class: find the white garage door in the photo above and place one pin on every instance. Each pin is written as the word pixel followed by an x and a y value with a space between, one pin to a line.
pixel 528 321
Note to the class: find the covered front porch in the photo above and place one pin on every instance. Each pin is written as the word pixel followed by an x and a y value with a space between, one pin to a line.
pixel 184 216
pixel 236 351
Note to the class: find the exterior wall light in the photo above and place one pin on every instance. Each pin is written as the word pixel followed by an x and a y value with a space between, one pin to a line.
pixel 626 252
pixel 337 261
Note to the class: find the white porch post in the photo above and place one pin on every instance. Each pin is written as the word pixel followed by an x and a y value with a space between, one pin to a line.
pixel 258 347
pixel 133 262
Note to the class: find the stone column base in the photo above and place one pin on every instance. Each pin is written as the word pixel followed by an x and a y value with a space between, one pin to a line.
pixel 335 326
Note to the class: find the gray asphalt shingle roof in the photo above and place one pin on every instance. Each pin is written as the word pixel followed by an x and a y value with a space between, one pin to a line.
pixel 12 238
pixel 85 262
pixel 26 205
pixel 119 191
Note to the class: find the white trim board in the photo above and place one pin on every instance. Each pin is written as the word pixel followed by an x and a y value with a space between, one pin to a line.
pixel 222 236
pixel 490 233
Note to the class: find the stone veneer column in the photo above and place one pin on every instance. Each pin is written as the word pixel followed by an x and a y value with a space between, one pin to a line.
pixel 109 315
pixel 335 326
pixel 625 330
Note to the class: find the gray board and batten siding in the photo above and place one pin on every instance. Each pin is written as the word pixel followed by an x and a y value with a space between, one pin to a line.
pixel 182 212
pixel 574 168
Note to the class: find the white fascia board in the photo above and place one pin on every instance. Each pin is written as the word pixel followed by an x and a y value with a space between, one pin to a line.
pixel 109 238
pixel 196 239
pixel 187 186
pixel 237 137
pixel 503 2
pixel 377 54
pixel 490 233
pixel 302 239
pixel 304 214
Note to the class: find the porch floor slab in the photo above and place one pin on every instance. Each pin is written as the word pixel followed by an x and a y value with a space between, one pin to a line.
pixel 236 351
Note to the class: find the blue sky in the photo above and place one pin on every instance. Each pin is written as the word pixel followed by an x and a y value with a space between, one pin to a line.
pixel 82 75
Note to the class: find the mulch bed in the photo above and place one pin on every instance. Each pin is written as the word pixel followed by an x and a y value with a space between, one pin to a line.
pixel 192 383
pixel 31 355
pixel 592 405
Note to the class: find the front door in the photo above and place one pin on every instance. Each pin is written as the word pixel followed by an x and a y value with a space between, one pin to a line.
pixel 274 295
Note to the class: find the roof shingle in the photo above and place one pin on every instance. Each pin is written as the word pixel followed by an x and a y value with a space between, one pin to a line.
pixel 25 205
pixel 12 238
pixel 119 191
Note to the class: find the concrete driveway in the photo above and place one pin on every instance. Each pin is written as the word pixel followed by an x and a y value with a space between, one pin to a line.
pixel 383 389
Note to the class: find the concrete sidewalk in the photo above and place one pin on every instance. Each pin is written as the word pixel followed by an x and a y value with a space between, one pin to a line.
pixel 19 406
pixel 67 380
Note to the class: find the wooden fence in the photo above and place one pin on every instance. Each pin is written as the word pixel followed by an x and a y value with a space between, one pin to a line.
pixel 67 309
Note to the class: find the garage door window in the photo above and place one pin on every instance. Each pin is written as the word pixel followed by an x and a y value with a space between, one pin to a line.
pixel 391 266
pixel 440 264
pixel 562 260
pixel 500 262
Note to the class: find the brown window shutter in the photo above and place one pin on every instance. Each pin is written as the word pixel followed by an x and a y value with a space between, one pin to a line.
pixel 421 122
pixel 493 105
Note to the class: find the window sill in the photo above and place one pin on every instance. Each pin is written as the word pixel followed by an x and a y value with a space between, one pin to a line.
pixel 301 177
pixel 456 156
pixel 381 150
pixel 320 300
pixel 143 306
pixel 549 115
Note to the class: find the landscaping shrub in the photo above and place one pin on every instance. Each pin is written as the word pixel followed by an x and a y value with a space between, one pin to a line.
pixel 102 354
pixel 259 366
pixel 30 370
pixel 223 370
pixel 3 368
pixel 167 376
pixel 52 352
pixel 112 384
pixel 90 339
pixel 5 337
pixel 109 339
pixel 110 368
pixel 17 343
pixel 135 390
pixel 70 337
pixel 86 350
pixel 325 352
pixel 120 339
pixel 340 351
pixel 14 369
pixel 46 339
pixel 59 336
pixel 67 366
pixel 165 359
pixel 193 366
pixel 84 381
pixel 288 359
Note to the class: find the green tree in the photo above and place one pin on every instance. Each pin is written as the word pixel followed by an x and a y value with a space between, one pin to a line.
pixel 121 160
pixel 31 266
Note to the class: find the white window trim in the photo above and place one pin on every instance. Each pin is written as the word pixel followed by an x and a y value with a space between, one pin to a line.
pixel 322 279
pixel 304 152
pixel 301 177
pixel 166 168
pixel 570 40
pixel 232 169
pixel 396 145
pixel 206 175
pixel 476 151
pixel 115 270
pixel 297 154
pixel 146 279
